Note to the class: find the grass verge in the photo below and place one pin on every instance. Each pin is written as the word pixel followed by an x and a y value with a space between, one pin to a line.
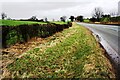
pixel 73 53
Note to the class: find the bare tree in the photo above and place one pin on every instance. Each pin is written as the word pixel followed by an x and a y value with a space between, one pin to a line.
pixel 46 19
pixel 9 18
pixel 33 18
pixel 3 15
pixel 114 14
pixel 53 20
pixel 97 13
pixel 63 18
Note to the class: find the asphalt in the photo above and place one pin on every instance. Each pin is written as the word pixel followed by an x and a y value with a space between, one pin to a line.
pixel 107 32
pixel 109 37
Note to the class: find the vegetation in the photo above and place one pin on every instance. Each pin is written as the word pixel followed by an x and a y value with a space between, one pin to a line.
pixel 59 22
pixel 79 18
pixel 86 20
pixel 22 31
pixel 63 18
pixel 16 22
pixel 97 13
pixel 3 15
pixel 72 18
pixel 33 18
pixel 106 19
pixel 73 53
pixel 115 19
pixel 60 51
pixel 99 16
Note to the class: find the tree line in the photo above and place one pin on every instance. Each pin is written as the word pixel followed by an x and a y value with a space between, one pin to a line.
pixel 97 16
pixel 34 18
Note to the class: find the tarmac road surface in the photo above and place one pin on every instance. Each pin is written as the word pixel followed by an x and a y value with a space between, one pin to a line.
pixel 108 36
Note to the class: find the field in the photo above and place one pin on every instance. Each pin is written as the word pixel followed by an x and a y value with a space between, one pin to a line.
pixel 86 20
pixel 16 23
pixel 59 22
pixel 72 53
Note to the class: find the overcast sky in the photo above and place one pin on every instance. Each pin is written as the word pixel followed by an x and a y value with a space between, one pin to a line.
pixel 53 9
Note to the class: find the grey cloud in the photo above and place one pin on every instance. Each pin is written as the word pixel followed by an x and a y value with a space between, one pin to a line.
pixel 47 0
pixel 39 5
pixel 55 8
pixel 27 9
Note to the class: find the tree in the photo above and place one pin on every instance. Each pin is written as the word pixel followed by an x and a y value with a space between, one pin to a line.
pixel 72 18
pixel 63 18
pixel 105 18
pixel 41 20
pixel 3 15
pixel 93 19
pixel 33 18
pixel 46 20
pixel 53 20
pixel 79 18
pixel 106 15
pixel 114 14
pixel 9 18
pixel 97 13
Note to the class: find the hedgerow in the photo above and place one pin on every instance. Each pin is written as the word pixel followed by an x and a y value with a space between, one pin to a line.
pixel 23 33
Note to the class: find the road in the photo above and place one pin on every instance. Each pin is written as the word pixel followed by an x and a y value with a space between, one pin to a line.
pixel 108 36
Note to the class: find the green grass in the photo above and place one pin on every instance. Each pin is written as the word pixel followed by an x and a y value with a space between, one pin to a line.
pixel 105 19
pixel 59 22
pixel 73 53
pixel 86 20
pixel 16 23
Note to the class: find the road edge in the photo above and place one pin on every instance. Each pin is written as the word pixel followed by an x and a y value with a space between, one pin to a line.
pixel 115 61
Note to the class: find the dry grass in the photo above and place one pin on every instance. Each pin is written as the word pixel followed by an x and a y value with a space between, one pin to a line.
pixel 73 53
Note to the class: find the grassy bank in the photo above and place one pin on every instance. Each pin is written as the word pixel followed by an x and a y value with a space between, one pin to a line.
pixel 72 53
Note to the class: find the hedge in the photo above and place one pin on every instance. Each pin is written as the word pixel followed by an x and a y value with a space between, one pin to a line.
pixel 23 33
